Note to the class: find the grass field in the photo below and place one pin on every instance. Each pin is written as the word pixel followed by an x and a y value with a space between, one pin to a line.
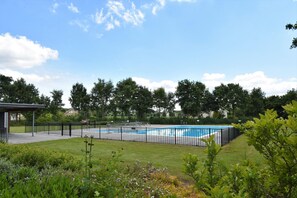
pixel 17 129
pixel 161 155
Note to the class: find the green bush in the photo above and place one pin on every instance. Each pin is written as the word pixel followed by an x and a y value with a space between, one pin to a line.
pixel 34 157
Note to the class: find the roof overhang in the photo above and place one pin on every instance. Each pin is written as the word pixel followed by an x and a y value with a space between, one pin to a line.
pixel 19 107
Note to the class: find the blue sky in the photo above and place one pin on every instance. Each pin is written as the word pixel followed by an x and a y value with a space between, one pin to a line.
pixel 56 43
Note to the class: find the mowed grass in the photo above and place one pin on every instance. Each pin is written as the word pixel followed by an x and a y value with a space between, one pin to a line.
pixel 17 129
pixel 160 155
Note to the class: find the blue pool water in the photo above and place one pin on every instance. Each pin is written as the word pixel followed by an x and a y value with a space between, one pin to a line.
pixel 174 131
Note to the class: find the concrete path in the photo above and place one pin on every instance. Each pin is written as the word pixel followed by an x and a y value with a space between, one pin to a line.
pixel 23 138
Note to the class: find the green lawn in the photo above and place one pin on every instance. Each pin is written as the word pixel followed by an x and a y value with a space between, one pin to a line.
pixel 17 129
pixel 161 155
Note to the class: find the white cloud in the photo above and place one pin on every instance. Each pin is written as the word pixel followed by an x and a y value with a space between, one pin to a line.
pixel 54 7
pixel 30 78
pixel 73 8
pixel 109 26
pixel 160 4
pixel 168 85
pixel 82 24
pixel 20 52
pixel 118 13
pixel 271 86
pixel 99 17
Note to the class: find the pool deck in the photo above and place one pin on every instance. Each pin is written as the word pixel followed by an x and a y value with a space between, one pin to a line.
pixel 24 138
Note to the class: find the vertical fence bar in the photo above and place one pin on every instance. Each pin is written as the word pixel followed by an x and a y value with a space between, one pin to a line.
pixel 174 135
pixel 121 133
pixel 99 132
pixel 145 134
pixel 81 130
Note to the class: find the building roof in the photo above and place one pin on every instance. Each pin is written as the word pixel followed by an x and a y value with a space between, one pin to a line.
pixel 19 107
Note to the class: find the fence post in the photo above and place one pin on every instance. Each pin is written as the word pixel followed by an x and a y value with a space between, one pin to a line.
pixel 99 132
pixel 62 129
pixel 70 129
pixel 174 135
pixel 121 133
pixel 81 130
pixel 145 134
pixel 48 128
pixel 208 132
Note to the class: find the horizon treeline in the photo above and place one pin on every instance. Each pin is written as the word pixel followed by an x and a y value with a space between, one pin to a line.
pixel 127 99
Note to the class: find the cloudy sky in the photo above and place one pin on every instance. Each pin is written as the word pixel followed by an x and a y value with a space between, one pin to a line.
pixel 57 43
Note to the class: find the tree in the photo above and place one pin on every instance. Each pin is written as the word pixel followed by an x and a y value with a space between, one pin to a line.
pixel 21 92
pixel 79 98
pixel 209 102
pixel 274 102
pixel 255 104
pixel 101 96
pixel 56 102
pixel 5 87
pixel 190 96
pixel 170 104
pixel 124 95
pixel 142 102
pixel 292 27
pixel 230 97
pixel 160 99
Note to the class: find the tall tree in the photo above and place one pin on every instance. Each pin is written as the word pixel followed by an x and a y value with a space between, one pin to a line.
pixel 275 103
pixel 209 103
pixel 160 99
pixel 56 102
pixel 292 27
pixel 230 97
pixel 142 102
pixel 5 87
pixel 124 95
pixel 255 104
pixel 170 104
pixel 79 98
pixel 190 96
pixel 21 92
pixel 101 96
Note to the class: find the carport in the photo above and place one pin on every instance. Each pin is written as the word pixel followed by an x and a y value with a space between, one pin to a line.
pixel 6 108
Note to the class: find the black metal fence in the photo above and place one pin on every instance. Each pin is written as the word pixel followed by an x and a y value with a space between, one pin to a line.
pixel 140 133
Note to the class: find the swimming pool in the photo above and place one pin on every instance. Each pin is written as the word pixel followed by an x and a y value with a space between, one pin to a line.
pixel 171 131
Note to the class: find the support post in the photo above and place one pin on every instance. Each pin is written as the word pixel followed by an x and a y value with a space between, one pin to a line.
pixel 6 125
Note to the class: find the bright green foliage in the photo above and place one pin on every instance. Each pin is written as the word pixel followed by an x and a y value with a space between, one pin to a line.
pixel 206 174
pixel 276 139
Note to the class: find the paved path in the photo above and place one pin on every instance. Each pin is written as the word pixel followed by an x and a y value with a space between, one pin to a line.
pixel 23 138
